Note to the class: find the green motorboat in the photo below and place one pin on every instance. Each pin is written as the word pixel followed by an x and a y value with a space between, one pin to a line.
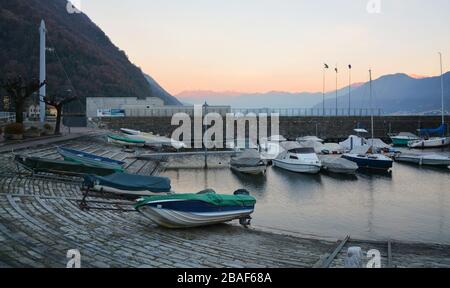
pixel 403 138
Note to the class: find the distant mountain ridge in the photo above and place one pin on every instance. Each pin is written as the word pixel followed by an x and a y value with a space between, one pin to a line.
pixel 394 94
pixel 80 49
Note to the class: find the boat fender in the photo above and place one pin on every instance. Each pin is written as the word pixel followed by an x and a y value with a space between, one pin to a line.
pixel 241 192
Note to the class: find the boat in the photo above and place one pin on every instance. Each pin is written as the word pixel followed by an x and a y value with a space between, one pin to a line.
pixel 201 209
pixel 432 159
pixel 365 159
pixel 248 162
pixel 378 144
pixel 403 138
pixel 317 146
pixel 41 165
pixel 365 156
pixel 332 148
pixel 90 159
pixel 270 147
pixel 352 142
pixel 241 144
pixel 296 158
pixel 434 142
pixel 309 138
pixel 125 141
pixel 338 165
pixel 152 140
pixel 125 184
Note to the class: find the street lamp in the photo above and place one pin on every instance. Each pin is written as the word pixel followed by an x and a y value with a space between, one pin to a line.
pixel 349 87
pixel 205 107
pixel 323 93
pixel 336 69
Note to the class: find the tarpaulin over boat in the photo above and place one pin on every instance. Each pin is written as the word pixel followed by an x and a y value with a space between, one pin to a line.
pixel 207 196
pixel 130 182
pixel 377 143
pixel 249 157
pixel 441 130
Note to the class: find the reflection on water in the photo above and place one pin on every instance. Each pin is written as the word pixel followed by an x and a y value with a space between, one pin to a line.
pixel 411 204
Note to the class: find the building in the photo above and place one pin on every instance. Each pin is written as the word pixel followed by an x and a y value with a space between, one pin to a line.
pixel 133 107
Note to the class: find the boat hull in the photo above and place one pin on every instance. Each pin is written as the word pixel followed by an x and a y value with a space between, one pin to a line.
pixel 92 160
pixel 424 160
pixel 120 192
pixel 372 164
pixel 125 143
pixel 401 142
pixel 297 167
pixel 172 218
pixel 430 143
pixel 252 170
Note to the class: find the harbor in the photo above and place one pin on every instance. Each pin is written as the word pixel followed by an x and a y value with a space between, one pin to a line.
pixel 299 221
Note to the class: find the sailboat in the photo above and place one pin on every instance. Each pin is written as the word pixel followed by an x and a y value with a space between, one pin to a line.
pixel 365 156
pixel 434 142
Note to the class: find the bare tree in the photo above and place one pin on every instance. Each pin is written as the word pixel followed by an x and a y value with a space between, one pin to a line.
pixel 20 90
pixel 58 101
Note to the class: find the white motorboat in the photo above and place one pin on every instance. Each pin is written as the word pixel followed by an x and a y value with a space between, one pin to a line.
pixel 153 140
pixel 338 165
pixel 296 158
pixel 248 162
pixel 432 159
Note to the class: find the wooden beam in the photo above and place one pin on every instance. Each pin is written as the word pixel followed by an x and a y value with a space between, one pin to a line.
pixel 329 260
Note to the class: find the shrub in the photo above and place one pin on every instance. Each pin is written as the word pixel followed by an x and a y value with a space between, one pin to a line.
pixel 33 129
pixel 14 129
pixel 48 126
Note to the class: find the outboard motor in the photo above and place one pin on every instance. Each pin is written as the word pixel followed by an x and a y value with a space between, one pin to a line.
pixel 241 192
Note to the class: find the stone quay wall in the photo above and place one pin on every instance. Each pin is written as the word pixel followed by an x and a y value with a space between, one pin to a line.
pixel 329 128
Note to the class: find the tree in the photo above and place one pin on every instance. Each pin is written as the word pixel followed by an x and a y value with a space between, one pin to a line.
pixel 58 101
pixel 19 91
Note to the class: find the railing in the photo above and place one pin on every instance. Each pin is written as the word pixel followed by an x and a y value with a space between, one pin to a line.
pixel 7 117
pixel 316 112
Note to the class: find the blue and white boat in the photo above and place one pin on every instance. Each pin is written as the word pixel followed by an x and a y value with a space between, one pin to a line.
pixel 201 209
pixel 90 159
pixel 368 160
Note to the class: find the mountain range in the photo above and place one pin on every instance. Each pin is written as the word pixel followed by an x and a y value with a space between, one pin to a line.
pixel 394 94
pixel 80 56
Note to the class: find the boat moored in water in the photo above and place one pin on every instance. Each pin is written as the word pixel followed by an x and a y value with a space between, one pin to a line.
pixel 365 159
pixel 296 158
pixel 248 162
pixel 403 138
pixel 201 209
pixel 338 165
pixel 432 159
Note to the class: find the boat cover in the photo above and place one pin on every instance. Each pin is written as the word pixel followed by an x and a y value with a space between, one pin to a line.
pixel 130 182
pixel 406 134
pixel 441 130
pixel 317 146
pixel 310 138
pixel 247 158
pixel 377 143
pixel 209 197
pixel 352 142
pixel 337 163
pixel 333 148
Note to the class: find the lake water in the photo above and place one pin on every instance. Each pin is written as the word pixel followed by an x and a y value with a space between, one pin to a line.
pixel 410 204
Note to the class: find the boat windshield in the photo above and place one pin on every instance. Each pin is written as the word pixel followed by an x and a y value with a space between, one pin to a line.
pixel 302 151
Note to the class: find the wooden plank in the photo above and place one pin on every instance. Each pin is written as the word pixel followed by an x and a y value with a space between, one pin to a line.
pixel 329 260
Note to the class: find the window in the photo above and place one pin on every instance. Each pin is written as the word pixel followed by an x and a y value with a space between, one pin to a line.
pixel 293 157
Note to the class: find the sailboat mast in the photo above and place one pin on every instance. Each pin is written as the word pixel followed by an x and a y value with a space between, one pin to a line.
pixel 371 108
pixel 442 89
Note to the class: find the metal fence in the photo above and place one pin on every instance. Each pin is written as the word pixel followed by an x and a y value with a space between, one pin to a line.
pixel 317 112
pixel 7 117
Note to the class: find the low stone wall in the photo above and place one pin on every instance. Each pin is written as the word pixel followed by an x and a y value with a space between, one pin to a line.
pixel 331 128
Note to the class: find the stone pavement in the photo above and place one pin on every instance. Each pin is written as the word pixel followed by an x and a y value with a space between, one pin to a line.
pixel 40 220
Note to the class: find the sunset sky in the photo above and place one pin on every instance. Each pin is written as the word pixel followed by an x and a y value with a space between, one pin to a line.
pixel 266 45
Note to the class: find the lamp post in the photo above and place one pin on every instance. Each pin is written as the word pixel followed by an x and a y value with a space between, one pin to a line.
pixel 205 107
pixel 349 88
pixel 323 91
pixel 336 69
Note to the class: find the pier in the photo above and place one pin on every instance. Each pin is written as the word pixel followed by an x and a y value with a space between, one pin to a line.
pixel 40 220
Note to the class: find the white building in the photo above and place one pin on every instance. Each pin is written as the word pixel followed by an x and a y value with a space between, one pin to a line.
pixel 133 107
